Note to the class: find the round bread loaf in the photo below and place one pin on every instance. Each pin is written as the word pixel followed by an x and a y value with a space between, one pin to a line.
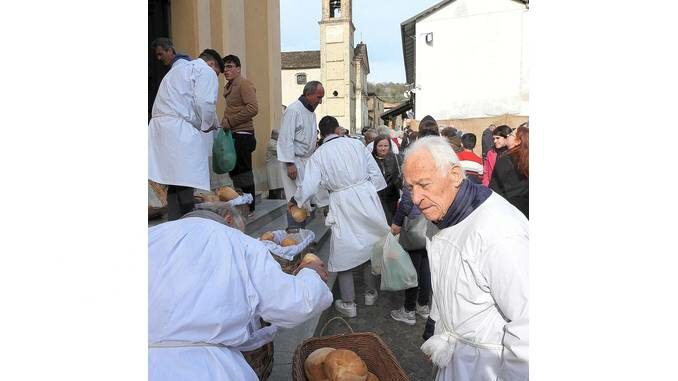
pixel 298 214
pixel 206 197
pixel 345 365
pixel 313 366
pixel 226 194
pixel 288 242
pixel 267 236
pixel 310 257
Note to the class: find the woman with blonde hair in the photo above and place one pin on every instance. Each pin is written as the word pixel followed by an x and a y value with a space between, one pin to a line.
pixel 510 177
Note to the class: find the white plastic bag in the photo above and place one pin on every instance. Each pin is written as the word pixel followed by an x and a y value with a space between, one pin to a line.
pixel 397 270
pixel 377 257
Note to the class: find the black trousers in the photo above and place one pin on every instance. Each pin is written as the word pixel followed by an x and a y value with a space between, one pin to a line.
pixel 241 174
pixel 390 206
pixel 179 201
pixel 422 292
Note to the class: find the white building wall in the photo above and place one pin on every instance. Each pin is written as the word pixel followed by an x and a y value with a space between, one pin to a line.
pixel 476 65
pixel 291 91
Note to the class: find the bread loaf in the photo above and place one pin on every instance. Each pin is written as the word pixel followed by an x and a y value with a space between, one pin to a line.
pixel 226 194
pixel 313 366
pixel 206 197
pixel 310 257
pixel 345 365
pixel 267 236
pixel 288 242
pixel 298 214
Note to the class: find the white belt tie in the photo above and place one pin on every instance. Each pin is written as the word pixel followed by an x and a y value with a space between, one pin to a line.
pixel 440 347
pixel 179 344
pixel 348 187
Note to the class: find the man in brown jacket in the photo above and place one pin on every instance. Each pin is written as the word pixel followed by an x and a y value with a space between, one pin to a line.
pixel 241 107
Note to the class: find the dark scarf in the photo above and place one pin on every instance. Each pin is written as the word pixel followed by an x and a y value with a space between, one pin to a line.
pixel 469 197
pixel 303 101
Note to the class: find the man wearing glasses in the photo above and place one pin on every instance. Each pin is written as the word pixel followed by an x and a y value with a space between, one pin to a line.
pixel 241 107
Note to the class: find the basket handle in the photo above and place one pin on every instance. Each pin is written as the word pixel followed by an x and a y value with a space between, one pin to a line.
pixel 322 331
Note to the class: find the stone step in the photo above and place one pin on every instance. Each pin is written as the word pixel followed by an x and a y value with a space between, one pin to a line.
pixel 265 212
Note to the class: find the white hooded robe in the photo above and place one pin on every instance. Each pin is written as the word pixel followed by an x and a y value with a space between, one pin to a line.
pixel 206 283
pixel 342 166
pixel 479 275
pixel 185 106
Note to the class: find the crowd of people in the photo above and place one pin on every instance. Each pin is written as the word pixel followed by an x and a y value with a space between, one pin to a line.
pixel 463 220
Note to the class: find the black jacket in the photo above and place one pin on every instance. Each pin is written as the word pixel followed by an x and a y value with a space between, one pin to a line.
pixel 390 168
pixel 510 184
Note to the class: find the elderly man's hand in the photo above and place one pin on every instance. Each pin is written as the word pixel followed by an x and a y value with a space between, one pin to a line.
pixel 291 171
pixel 395 229
pixel 317 265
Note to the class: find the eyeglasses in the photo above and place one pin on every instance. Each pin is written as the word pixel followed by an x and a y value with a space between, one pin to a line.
pixel 229 66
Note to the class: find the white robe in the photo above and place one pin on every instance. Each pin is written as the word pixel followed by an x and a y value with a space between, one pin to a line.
pixel 479 276
pixel 274 168
pixel 297 140
pixel 185 106
pixel 206 282
pixel 344 168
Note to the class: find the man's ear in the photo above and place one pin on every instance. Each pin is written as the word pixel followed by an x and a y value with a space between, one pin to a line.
pixel 229 219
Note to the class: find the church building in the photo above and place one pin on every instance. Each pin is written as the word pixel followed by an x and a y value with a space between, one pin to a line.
pixel 339 65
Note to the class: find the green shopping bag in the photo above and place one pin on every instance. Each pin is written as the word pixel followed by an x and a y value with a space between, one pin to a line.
pixel 223 152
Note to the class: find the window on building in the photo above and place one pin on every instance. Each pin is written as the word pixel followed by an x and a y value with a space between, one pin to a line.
pixel 335 8
pixel 301 78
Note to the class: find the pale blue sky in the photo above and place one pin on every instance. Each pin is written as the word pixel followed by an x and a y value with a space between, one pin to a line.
pixel 377 23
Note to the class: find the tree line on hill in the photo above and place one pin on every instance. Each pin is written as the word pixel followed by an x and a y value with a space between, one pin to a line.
pixel 388 91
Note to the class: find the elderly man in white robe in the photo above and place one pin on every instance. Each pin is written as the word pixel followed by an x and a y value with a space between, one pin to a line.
pixel 479 269
pixel 179 133
pixel 207 286
pixel 297 140
pixel 343 167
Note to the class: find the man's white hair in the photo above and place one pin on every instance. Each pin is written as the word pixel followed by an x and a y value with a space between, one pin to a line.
pixel 441 151
pixel 229 210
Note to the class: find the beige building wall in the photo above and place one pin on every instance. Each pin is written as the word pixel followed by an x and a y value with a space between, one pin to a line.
pixel 262 37
pixel 361 109
pixel 375 108
pixel 291 90
pixel 251 30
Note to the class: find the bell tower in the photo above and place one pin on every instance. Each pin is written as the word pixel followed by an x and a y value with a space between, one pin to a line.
pixel 336 62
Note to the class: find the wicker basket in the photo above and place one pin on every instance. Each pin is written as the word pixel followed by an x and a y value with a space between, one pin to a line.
pixel 374 352
pixel 261 359
pixel 289 266
pixel 154 213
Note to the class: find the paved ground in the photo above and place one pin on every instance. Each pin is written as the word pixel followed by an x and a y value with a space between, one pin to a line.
pixel 402 339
